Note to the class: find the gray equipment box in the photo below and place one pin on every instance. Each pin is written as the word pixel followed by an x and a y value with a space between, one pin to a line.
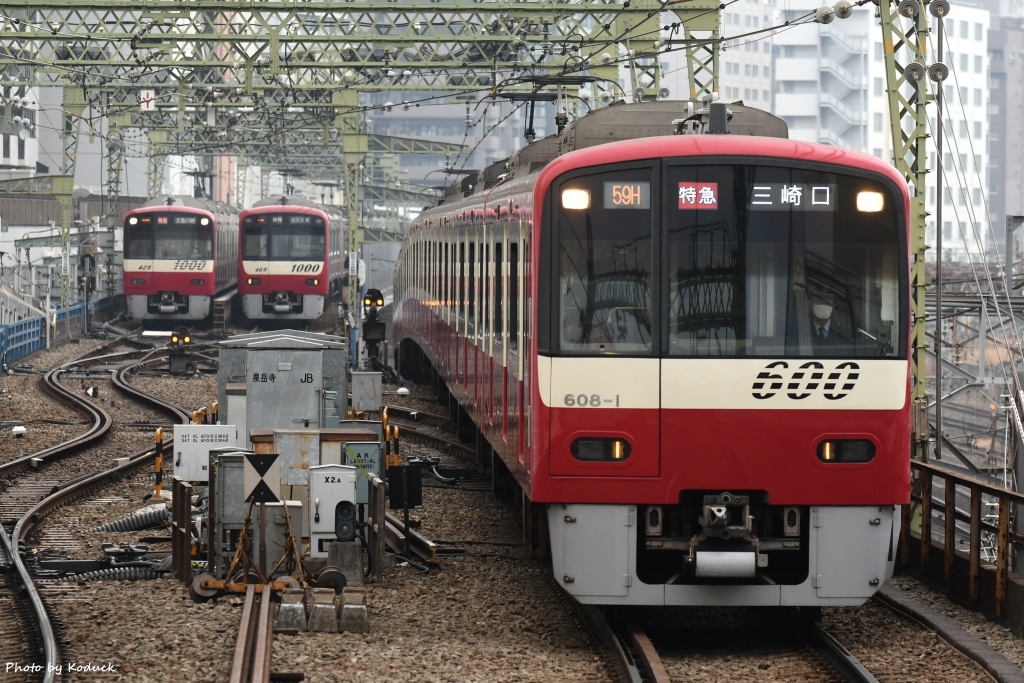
pixel 227 517
pixel 285 374
pixel 368 458
pixel 367 391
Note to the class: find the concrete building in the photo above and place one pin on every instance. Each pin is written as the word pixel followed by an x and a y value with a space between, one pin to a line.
pixel 1006 137
pixel 830 85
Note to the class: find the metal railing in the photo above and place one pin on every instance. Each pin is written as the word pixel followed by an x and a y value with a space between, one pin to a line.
pixel 968 533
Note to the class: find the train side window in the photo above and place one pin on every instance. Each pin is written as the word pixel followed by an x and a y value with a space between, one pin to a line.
pixel 462 279
pixel 499 292
pixel 471 282
pixel 485 286
pixel 513 293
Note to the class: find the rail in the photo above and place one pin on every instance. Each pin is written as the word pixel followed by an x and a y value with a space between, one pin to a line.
pixel 251 660
pixel 922 516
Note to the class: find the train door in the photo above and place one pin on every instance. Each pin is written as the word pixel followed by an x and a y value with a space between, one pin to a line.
pixel 525 313
pixel 600 297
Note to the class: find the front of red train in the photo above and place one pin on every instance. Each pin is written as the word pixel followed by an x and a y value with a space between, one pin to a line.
pixel 169 266
pixel 721 388
pixel 283 271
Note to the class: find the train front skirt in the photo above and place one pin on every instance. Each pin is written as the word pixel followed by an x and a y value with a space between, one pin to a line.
pixel 850 554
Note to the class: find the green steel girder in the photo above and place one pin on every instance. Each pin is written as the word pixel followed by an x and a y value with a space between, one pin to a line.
pixel 279 45
pixel 396 195
pixel 908 119
pixel 375 235
pixel 290 143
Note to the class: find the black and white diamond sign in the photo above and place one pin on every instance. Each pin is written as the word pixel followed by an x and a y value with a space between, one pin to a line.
pixel 261 478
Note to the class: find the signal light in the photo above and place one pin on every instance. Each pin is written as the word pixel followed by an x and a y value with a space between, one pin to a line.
pixel 181 337
pixel 253 280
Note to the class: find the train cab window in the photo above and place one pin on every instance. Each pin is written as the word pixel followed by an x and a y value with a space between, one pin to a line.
pixel 782 261
pixel 182 236
pixel 138 240
pixel 604 226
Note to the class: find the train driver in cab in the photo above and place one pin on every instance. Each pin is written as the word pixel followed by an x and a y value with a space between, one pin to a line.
pixel 829 333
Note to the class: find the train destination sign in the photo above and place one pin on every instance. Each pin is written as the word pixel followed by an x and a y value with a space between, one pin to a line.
pixel 763 196
pixel 627 194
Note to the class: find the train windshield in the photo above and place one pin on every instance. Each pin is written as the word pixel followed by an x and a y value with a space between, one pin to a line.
pixel 283 237
pixel 722 260
pixel 168 235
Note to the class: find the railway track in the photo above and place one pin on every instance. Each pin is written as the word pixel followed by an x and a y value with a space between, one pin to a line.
pixel 37 483
pixel 640 649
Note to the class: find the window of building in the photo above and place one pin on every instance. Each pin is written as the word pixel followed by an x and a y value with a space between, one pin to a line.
pixel 977 129
pixel 766 95
pixel 977 63
pixel 965 94
pixel 7 146
pixel 965 29
pixel 878 121
pixel 976 194
pixel 947 230
pixel 977 97
pixel 746 69
pixel 963 161
pixel 21 150
pixel 963 62
pixel 766 71
pixel 979 32
pixel 963 129
pixel 878 87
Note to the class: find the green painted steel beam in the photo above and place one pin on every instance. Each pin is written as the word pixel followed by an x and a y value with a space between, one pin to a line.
pixel 905 42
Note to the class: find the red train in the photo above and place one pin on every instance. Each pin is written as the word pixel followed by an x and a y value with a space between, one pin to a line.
pixel 180 253
pixel 690 351
pixel 291 258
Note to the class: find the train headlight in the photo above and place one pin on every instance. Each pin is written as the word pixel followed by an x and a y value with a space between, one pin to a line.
pixel 575 199
pixel 204 221
pixel 597 449
pixel 870 202
pixel 138 280
pixel 312 281
pixel 846 451
pixel 253 280
pixel 198 281
pixel 133 221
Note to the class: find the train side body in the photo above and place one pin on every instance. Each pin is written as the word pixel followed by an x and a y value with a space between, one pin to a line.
pixel 179 255
pixel 290 259
pixel 631 330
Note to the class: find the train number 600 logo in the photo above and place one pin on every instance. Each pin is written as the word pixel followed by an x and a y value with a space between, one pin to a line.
pixel 806 380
